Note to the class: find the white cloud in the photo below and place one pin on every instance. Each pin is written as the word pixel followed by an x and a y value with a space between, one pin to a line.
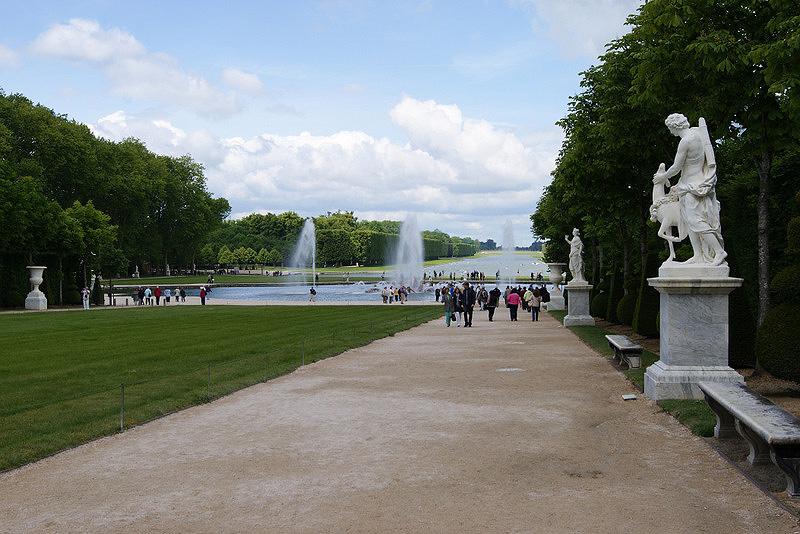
pixel 82 39
pixel 580 27
pixel 8 58
pixel 243 81
pixel 133 71
pixel 462 175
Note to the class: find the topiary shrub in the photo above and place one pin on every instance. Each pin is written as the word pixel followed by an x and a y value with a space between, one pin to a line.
pixel 647 302
pixel 778 339
pixel 599 305
pixel 784 286
pixel 614 294
pixel 626 308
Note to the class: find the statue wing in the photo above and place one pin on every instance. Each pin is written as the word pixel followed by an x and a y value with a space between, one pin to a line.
pixel 711 161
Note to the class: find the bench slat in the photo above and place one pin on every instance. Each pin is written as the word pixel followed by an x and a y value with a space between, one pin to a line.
pixel 772 423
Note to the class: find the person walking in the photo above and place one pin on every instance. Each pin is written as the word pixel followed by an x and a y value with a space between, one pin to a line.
pixel 202 295
pixel 526 298
pixel 437 293
pixel 167 295
pixel 85 297
pixel 494 300
pixel 512 301
pixel 469 304
pixel 183 294
pixel 447 301
pixel 458 303
pixel 535 304
pixel 148 296
pixel 157 294
pixel 312 295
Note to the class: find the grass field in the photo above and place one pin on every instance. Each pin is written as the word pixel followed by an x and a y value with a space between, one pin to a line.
pixel 694 414
pixel 61 373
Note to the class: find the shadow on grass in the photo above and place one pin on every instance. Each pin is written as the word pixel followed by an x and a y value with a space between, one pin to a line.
pixel 694 414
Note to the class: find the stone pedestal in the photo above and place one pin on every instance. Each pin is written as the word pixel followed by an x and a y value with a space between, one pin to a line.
pixel 556 278
pixel 578 305
pixel 694 330
pixel 36 299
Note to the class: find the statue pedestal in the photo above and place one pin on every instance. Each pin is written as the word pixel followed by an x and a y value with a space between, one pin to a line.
pixel 556 301
pixel 578 305
pixel 36 299
pixel 694 331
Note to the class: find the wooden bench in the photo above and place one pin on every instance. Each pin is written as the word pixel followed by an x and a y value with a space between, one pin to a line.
pixel 626 350
pixel 772 433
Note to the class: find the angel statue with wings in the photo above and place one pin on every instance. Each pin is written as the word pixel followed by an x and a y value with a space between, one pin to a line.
pixel 697 199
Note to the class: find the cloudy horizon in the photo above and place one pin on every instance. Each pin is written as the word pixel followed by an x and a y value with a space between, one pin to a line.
pixel 442 110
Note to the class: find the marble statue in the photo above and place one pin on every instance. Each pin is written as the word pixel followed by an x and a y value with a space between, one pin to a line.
pixel 576 257
pixel 691 204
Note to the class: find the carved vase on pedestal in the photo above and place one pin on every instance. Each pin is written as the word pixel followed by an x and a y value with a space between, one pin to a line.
pixel 36 299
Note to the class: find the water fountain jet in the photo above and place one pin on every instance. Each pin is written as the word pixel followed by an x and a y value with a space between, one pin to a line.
pixel 305 250
pixel 409 255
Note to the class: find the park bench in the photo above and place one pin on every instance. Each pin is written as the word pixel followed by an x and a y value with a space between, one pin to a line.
pixel 626 350
pixel 772 433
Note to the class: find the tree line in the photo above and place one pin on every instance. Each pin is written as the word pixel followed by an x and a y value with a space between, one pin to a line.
pixel 342 239
pixel 733 62
pixel 80 204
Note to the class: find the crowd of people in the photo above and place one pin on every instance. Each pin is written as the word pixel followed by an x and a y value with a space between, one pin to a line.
pixel 399 294
pixel 145 296
pixel 459 301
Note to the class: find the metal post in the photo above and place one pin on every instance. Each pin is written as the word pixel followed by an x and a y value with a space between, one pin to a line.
pixel 209 381
pixel 122 407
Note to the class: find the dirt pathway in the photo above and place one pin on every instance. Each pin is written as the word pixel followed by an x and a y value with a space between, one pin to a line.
pixel 505 427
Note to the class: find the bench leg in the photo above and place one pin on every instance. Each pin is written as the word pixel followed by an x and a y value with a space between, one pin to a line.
pixel 759 449
pixel 788 460
pixel 724 428
pixel 634 361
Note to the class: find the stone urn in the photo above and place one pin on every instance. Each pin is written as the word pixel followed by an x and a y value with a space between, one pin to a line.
pixel 36 299
pixel 556 277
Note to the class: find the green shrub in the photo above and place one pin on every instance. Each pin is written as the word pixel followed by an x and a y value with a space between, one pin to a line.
pixel 614 295
pixel 784 286
pixel 778 340
pixel 626 308
pixel 647 302
pixel 793 236
pixel 599 305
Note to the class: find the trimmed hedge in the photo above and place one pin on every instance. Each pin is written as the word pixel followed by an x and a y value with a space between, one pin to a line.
pixel 784 286
pixel 778 339
pixel 599 305
pixel 647 302
pixel 626 308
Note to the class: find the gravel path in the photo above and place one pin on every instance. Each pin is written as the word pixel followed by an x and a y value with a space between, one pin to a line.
pixel 505 427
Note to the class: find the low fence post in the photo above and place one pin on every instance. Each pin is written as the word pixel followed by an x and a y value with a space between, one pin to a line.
pixel 209 381
pixel 122 407
pixel 303 353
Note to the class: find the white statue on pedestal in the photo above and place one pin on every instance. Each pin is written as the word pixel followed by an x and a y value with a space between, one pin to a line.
pixel 694 194
pixel 576 257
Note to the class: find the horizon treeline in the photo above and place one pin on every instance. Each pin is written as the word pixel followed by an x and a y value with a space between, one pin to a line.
pixel 733 62
pixel 342 239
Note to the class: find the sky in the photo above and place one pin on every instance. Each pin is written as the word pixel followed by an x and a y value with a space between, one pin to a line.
pixel 441 109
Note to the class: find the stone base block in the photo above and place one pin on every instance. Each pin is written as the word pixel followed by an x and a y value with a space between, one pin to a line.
pixel 556 303
pixel 36 301
pixel 578 320
pixel 662 381
pixel 578 305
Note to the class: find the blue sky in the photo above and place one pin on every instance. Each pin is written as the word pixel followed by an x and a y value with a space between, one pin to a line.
pixel 442 109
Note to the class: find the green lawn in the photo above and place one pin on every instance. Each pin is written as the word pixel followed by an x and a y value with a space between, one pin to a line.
pixel 694 414
pixel 61 372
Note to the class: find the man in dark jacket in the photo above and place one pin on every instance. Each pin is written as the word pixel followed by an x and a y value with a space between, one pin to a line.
pixel 494 299
pixel 469 303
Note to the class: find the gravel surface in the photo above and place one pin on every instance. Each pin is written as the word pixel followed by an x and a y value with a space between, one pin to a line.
pixel 504 427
